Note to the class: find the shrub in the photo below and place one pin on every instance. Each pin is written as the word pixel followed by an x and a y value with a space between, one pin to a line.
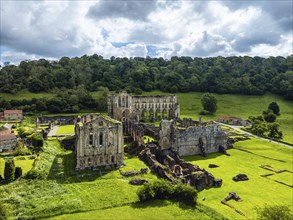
pixel 37 141
pixel 186 194
pixel 9 170
pixel 269 116
pixel 162 189
pixel 278 212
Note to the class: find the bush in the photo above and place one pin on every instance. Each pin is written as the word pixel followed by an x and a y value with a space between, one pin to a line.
pixel 9 170
pixel 269 116
pixel 37 141
pixel 209 103
pixel 278 212
pixel 185 194
pixel 162 189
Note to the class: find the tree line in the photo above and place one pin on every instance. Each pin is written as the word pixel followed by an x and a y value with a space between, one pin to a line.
pixel 235 75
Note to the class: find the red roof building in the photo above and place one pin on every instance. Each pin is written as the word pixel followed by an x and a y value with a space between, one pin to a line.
pixel 11 115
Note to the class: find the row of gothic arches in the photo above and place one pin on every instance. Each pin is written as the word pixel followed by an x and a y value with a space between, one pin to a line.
pixel 153 115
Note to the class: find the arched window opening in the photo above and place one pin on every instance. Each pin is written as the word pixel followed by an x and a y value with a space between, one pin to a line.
pixel 91 139
pixel 101 140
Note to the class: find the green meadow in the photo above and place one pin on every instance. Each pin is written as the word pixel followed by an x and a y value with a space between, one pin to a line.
pixel 247 157
pixel 239 106
pixel 65 193
pixel 190 106
pixel 25 94
pixel 65 129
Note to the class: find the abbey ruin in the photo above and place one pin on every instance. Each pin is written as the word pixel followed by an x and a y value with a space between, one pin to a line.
pixel 99 142
pixel 100 139
pixel 190 137
pixel 146 108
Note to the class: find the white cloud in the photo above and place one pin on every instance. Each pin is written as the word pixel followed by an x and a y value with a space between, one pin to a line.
pixel 33 29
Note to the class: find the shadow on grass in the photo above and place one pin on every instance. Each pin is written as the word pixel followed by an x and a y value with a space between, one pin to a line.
pixel 160 203
pixel 63 171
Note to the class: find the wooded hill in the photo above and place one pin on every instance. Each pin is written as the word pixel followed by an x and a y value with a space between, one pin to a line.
pixel 236 75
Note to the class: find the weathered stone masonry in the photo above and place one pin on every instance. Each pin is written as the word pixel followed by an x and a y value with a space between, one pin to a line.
pixel 99 142
pixel 191 140
pixel 148 108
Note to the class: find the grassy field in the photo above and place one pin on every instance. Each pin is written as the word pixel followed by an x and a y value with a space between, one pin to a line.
pixel 239 106
pixel 258 190
pixel 25 94
pixel 190 106
pixel 21 161
pixel 64 190
pixel 65 129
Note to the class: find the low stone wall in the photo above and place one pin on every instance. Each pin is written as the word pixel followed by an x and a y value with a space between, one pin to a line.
pixel 168 165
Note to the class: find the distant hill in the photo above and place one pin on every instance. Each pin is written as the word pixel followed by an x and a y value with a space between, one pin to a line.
pixel 230 75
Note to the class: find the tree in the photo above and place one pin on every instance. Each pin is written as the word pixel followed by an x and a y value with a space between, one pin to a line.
pixel 258 127
pixel 276 212
pixel 274 131
pixel 269 116
pixel 209 102
pixel 9 170
pixel 275 108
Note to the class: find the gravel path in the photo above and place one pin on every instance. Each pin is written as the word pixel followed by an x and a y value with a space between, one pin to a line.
pixel 53 131
pixel 252 135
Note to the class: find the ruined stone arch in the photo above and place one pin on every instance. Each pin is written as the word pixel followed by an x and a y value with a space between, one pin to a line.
pixel 144 114
pixel 151 114
pixel 164 114
pixel 158 114
pixel 101 139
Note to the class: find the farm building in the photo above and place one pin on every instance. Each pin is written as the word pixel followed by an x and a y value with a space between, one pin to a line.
pixel 9 115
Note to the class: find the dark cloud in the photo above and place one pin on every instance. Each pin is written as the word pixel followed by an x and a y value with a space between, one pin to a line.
pixel 207 45
pixel 136 10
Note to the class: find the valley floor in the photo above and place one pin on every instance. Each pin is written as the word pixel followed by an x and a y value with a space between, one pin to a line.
pixel 64 193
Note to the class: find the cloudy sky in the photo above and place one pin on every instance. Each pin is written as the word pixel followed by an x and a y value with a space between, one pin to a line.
pixel 156 28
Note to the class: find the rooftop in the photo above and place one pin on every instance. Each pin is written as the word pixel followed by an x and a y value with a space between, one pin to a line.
pixel 7 137
pixel 15 111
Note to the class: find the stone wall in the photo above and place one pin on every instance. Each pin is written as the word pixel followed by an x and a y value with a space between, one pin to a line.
pixel 99 142
pixel 147 108
pixel 198 139
pixel 168 165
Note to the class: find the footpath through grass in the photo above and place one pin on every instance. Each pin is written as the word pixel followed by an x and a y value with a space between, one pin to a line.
pixel 247 157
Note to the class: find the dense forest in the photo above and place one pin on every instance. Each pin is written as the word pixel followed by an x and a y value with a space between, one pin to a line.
pixel 76 77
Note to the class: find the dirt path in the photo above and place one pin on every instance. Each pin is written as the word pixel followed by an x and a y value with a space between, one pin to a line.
pixel 53 131
pixel 236 128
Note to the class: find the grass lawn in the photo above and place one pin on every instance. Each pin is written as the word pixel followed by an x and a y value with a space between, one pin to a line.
pixel 68 194
pixel 25 164
pixel 257 191
pixel 84 193
pixel 237 105
pixel 65 129
pixel 150 210
pixel 25 94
